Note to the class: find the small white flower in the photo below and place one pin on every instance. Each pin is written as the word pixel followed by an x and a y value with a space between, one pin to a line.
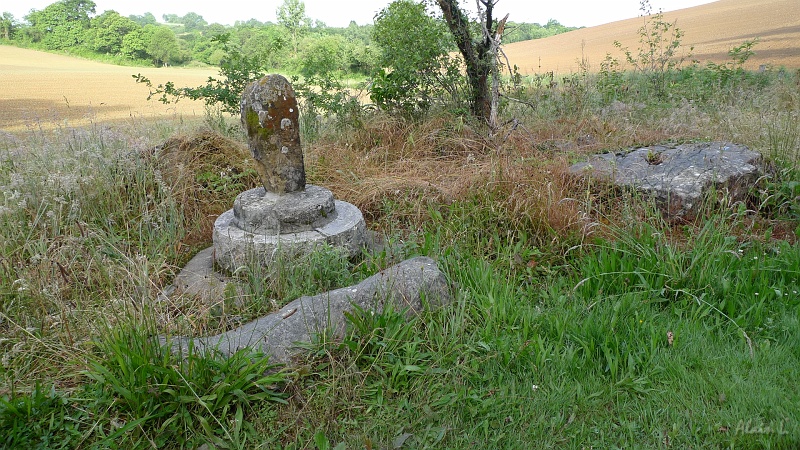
pixel 20 284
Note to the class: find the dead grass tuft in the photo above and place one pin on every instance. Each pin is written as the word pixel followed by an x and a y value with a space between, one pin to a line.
pixel 205 171
pixel 396 171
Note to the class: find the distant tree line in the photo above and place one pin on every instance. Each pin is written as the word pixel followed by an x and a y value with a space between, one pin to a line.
pixel 296 43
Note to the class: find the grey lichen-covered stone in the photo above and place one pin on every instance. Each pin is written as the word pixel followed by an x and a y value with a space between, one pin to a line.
pixel 198 278
pixel 271 119
pixel 200 282
pixel 285 215
pixel 260 212
pixel 679 177
pixel 408 286
pixel 234 247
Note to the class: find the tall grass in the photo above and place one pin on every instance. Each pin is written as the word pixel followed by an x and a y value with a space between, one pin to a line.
pixel 580 319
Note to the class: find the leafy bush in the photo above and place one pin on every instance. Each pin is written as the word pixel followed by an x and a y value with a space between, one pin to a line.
pixel 416 68
pixel 236 71
pixel 659 49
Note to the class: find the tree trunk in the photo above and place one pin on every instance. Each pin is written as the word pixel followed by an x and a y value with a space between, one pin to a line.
pixel 477 56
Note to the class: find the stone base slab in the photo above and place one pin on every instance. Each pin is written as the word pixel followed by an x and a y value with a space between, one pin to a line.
pixel 679 177
pixel 411 286
pixel 234 247
pixel 260 212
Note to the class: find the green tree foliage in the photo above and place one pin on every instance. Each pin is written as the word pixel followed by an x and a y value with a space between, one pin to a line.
pixel 268 45
pixel 108 30
pixel 413 59
pixel 79 10
pixel 292 16
pixel 163 47
pixel 193 22
pixel 516 32
pixel 136 43
pixel 145 19
pixel 236 71
pixel 61 25
pixel 8 25
pixel 323 55
pixel 206 48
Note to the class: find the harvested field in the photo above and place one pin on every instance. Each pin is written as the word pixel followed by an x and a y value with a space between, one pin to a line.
pixel 44 90
pixel 712 29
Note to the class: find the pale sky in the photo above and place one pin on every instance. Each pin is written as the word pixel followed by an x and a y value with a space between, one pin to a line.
pixel 338 13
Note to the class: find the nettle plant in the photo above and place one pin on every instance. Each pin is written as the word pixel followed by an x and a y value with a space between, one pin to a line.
pixel 660 49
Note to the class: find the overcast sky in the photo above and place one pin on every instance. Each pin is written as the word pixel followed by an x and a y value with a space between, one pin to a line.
pixel 338 13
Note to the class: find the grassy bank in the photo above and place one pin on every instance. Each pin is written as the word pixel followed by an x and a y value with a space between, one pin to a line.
pixel 581 318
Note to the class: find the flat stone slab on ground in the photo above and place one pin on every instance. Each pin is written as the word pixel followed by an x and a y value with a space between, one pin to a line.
pixel 679 176
pixel 410 285
pixel 199 279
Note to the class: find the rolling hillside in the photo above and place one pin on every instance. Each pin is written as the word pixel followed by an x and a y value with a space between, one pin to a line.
pixel 712 29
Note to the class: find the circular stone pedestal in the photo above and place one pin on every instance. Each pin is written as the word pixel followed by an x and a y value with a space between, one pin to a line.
pixel 261 224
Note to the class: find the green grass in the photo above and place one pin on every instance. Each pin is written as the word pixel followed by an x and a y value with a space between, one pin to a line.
pixel 580 318
pixel 559 363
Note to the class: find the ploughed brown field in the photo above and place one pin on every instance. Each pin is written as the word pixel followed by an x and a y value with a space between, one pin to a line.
pixel 39 89
pixel 712 29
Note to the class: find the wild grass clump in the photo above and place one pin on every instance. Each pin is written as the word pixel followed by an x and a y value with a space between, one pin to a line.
pixel 400 173
pixel 159 398
pixel 580 315
pixel 86 229
pixel 205 171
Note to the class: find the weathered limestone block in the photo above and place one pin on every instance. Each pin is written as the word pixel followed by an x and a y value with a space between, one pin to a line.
pixel 286 216
pixel 679 177
pixel 408 286
pixel 261 212
pixel 271 118
pixel 236 247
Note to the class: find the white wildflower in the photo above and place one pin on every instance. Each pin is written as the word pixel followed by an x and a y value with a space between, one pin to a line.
pixel 20 284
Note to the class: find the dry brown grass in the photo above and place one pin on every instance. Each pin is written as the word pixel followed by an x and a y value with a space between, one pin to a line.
pixel 44 90
pixel 204 171
pixel 712 29
pixel 398 173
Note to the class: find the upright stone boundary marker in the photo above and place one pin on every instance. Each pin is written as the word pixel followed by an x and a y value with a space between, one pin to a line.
pixel 285 215
pixel 272 120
